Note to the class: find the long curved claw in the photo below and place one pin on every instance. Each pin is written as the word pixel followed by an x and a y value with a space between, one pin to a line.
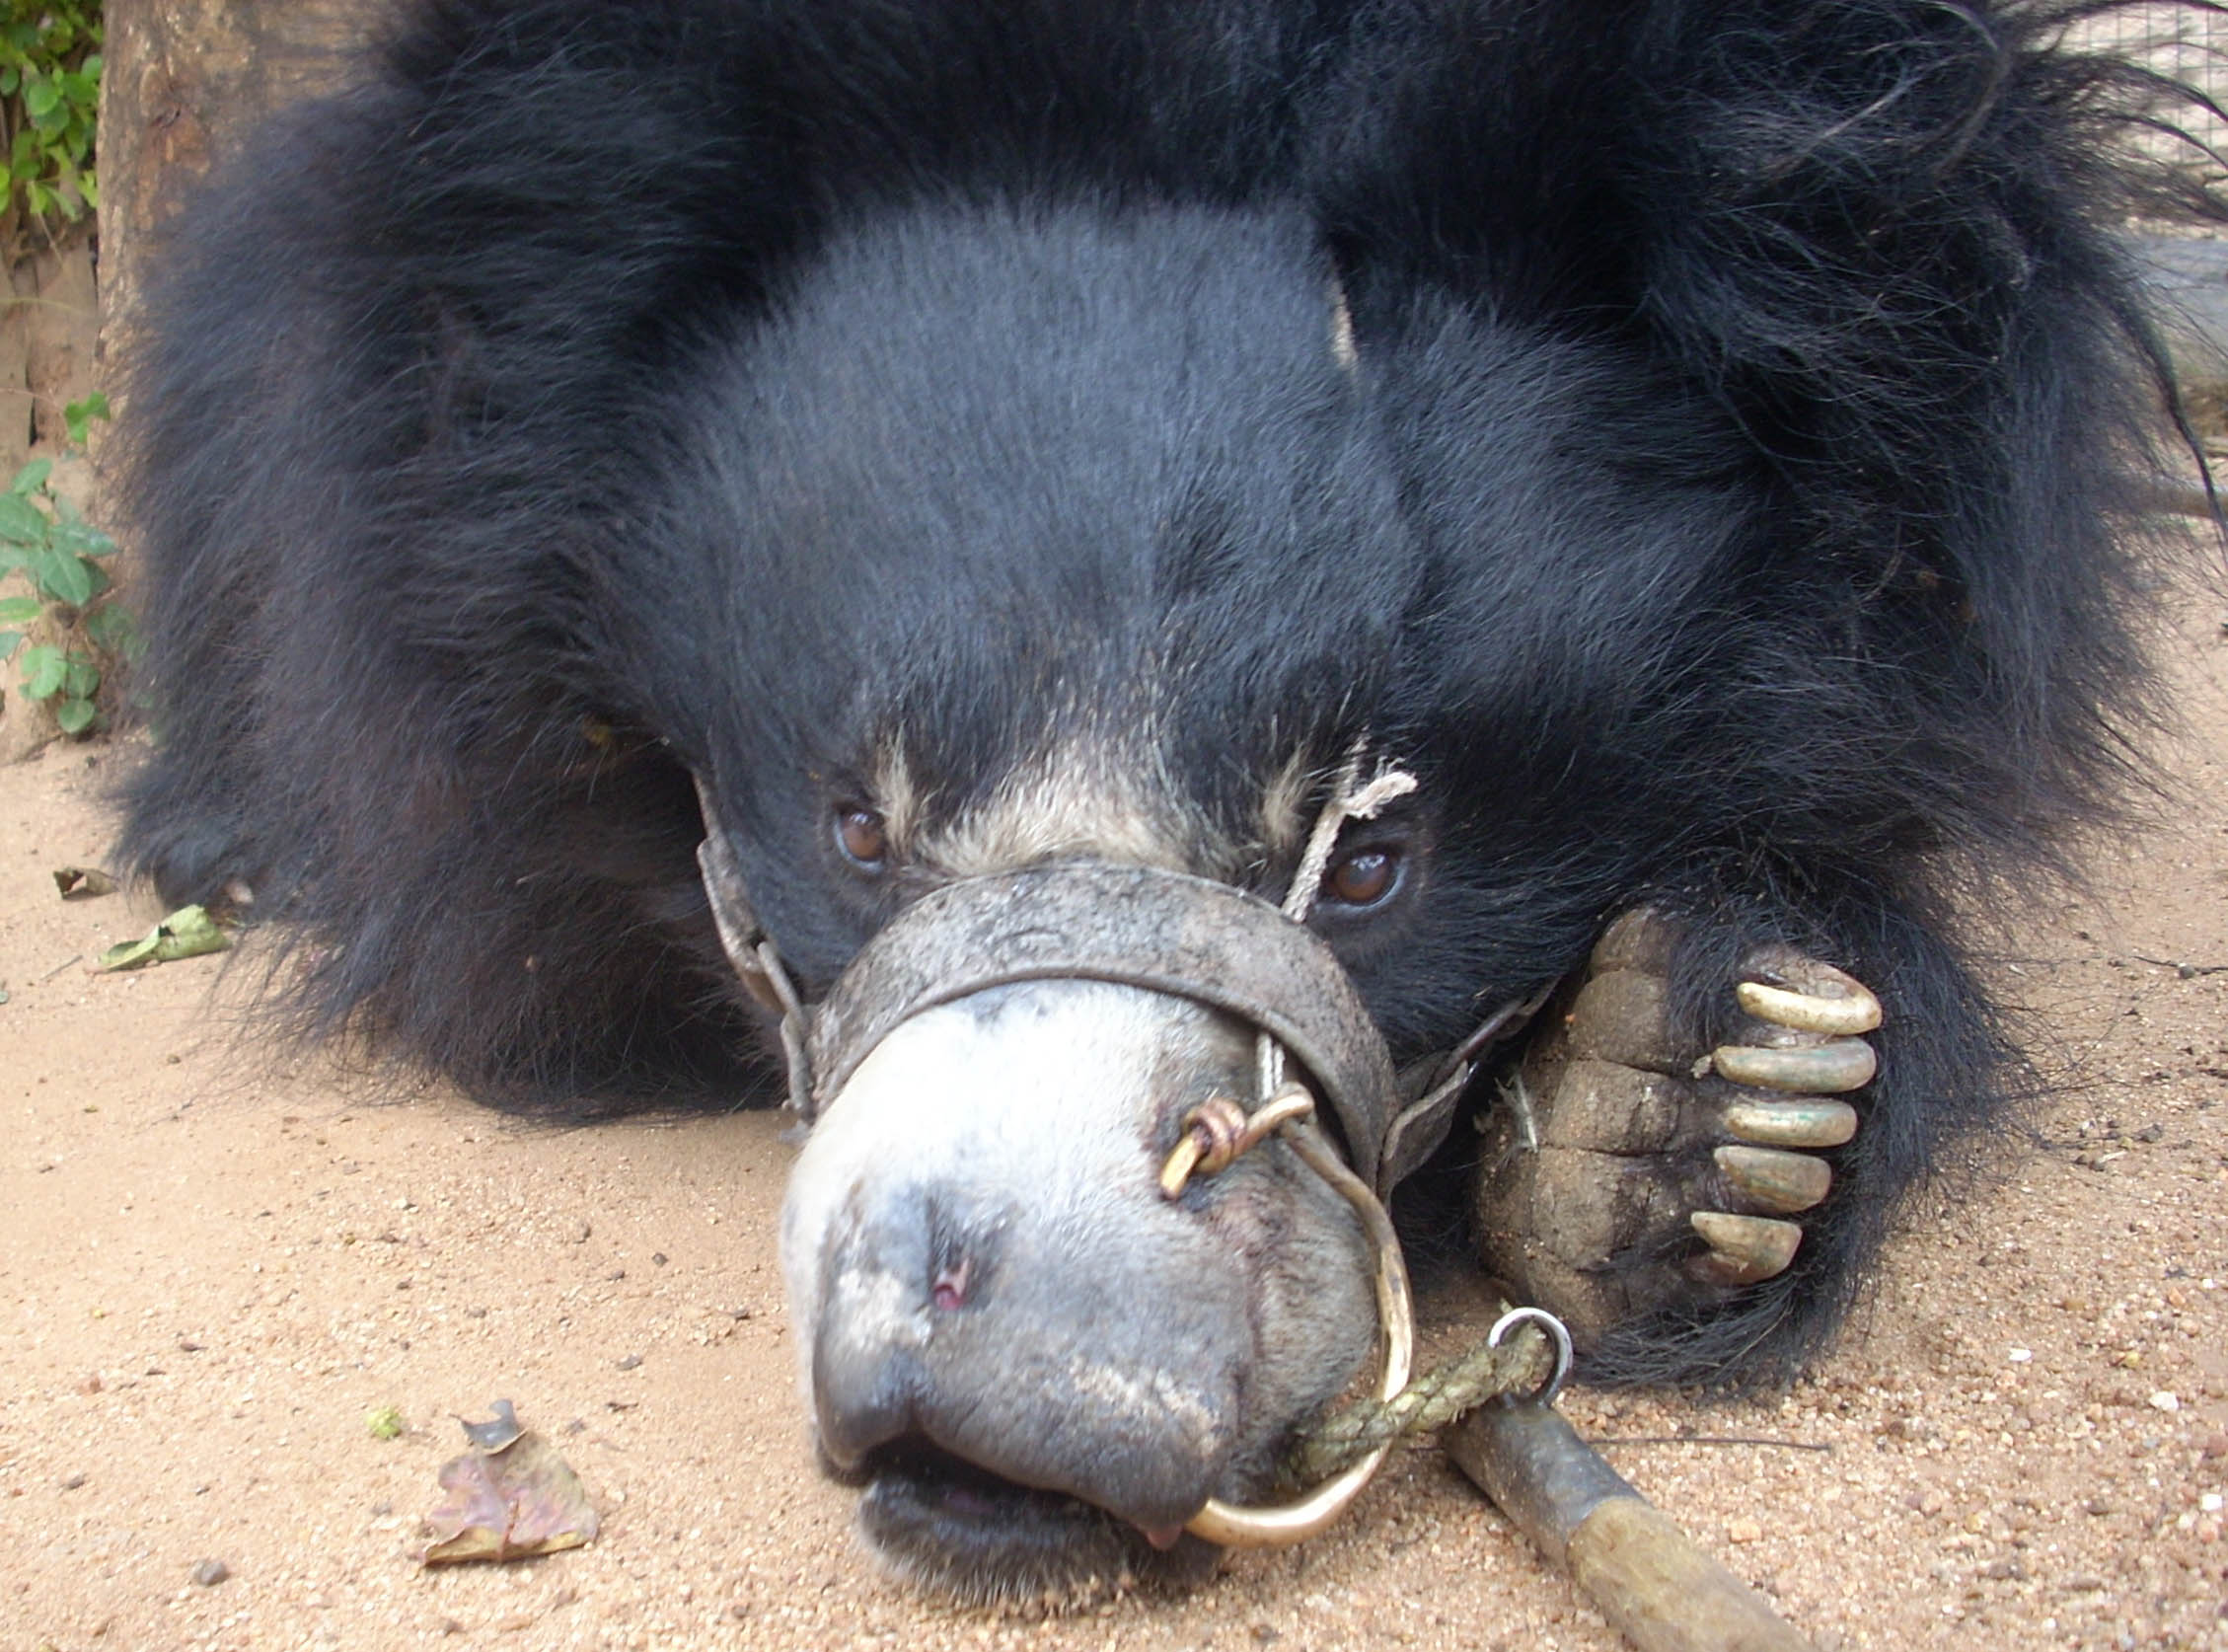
pixel 1791 1124
pixel 1775 1181
pixel 1841 1013
pixel 1743 1249
pixel 1828 1069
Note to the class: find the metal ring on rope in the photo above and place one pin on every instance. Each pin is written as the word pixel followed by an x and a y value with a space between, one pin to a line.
pixel 1556 1330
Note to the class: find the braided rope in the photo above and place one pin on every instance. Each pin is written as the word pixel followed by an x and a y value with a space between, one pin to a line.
pixel 1432 1401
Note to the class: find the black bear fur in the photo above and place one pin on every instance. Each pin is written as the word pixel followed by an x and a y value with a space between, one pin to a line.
pixel 1737 515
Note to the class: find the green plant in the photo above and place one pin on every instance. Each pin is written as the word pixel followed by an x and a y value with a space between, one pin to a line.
pixel 49 101
pixel 78 416
pixel 70 628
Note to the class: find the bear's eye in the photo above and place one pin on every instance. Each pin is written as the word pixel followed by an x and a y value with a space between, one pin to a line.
pixel 863 837
pixel 1363 877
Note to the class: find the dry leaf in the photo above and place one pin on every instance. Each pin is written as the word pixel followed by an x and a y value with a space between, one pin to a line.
pixel 507 1501
pixel 78 884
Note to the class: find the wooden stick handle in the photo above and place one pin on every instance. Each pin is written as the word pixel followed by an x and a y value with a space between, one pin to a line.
pixel 1660 1588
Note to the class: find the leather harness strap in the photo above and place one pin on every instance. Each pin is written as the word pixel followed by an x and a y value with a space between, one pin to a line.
pixel 1134 926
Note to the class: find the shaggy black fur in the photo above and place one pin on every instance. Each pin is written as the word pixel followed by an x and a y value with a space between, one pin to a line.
pixel 1728 508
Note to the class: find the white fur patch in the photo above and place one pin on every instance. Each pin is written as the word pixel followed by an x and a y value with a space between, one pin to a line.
pixel 1343 351
pixel 897 800
pixel 1083 799
pixel 1285 816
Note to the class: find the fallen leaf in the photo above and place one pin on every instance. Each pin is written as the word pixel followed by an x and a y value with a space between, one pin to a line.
pixel 80 883
pixel 186 932
pixel 507 1501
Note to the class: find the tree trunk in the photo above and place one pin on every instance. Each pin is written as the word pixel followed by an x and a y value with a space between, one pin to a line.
pixel 184 80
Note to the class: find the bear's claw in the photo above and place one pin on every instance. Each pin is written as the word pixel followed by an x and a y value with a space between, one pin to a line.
pixel 1742 1249
pixel 1791 1124
pixel 1624 1172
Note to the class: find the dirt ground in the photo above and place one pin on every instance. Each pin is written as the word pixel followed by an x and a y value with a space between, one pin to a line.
pixel 216 1259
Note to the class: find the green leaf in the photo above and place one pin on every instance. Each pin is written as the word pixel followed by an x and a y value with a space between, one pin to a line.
pixel 81 679
pixel 88 186
pixel 80 415
pixel 18 611
pixel 22 522
pixel 110 627
pixel 10 78
pixel 41 96
pixel 33 476
pixel 186 932
pixel 63 576
pixel 43 670
pixel 8 642
pixel 81 537
pixel 75 717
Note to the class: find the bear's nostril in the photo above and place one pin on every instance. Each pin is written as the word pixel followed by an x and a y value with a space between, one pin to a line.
pixel 950 1290
pixel 964 1242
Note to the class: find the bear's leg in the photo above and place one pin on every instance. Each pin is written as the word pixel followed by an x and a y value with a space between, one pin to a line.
pixel 1625 1173
pixel 192 822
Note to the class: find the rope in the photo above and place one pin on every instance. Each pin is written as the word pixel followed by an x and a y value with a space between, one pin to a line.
pixel 1432 1401
pixel 1351 799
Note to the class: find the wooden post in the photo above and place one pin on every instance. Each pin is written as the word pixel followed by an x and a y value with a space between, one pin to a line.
pixel 1659 1587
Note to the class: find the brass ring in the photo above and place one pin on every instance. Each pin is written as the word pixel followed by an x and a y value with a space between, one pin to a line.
pixel 1236 1526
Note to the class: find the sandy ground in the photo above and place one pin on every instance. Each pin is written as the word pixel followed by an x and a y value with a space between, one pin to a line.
pixel 216 1259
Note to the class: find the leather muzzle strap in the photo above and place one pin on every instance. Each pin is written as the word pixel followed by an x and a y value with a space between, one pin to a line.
pixel 1137 927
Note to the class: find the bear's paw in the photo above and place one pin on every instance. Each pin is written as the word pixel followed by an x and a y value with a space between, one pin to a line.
pixel 1628 1170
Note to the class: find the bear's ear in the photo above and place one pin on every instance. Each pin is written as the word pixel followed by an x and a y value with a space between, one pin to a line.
pixel 1879 234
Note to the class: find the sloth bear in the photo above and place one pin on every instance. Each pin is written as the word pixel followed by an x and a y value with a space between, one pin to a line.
pixel 1062 539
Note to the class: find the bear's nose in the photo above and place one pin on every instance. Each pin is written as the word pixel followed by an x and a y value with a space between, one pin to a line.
pixel 983 1268
pixel 915 1257
pixel 971 1326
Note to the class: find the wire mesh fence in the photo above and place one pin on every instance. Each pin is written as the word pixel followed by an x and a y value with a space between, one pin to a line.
pixel 2189 43
pixel 2188 267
